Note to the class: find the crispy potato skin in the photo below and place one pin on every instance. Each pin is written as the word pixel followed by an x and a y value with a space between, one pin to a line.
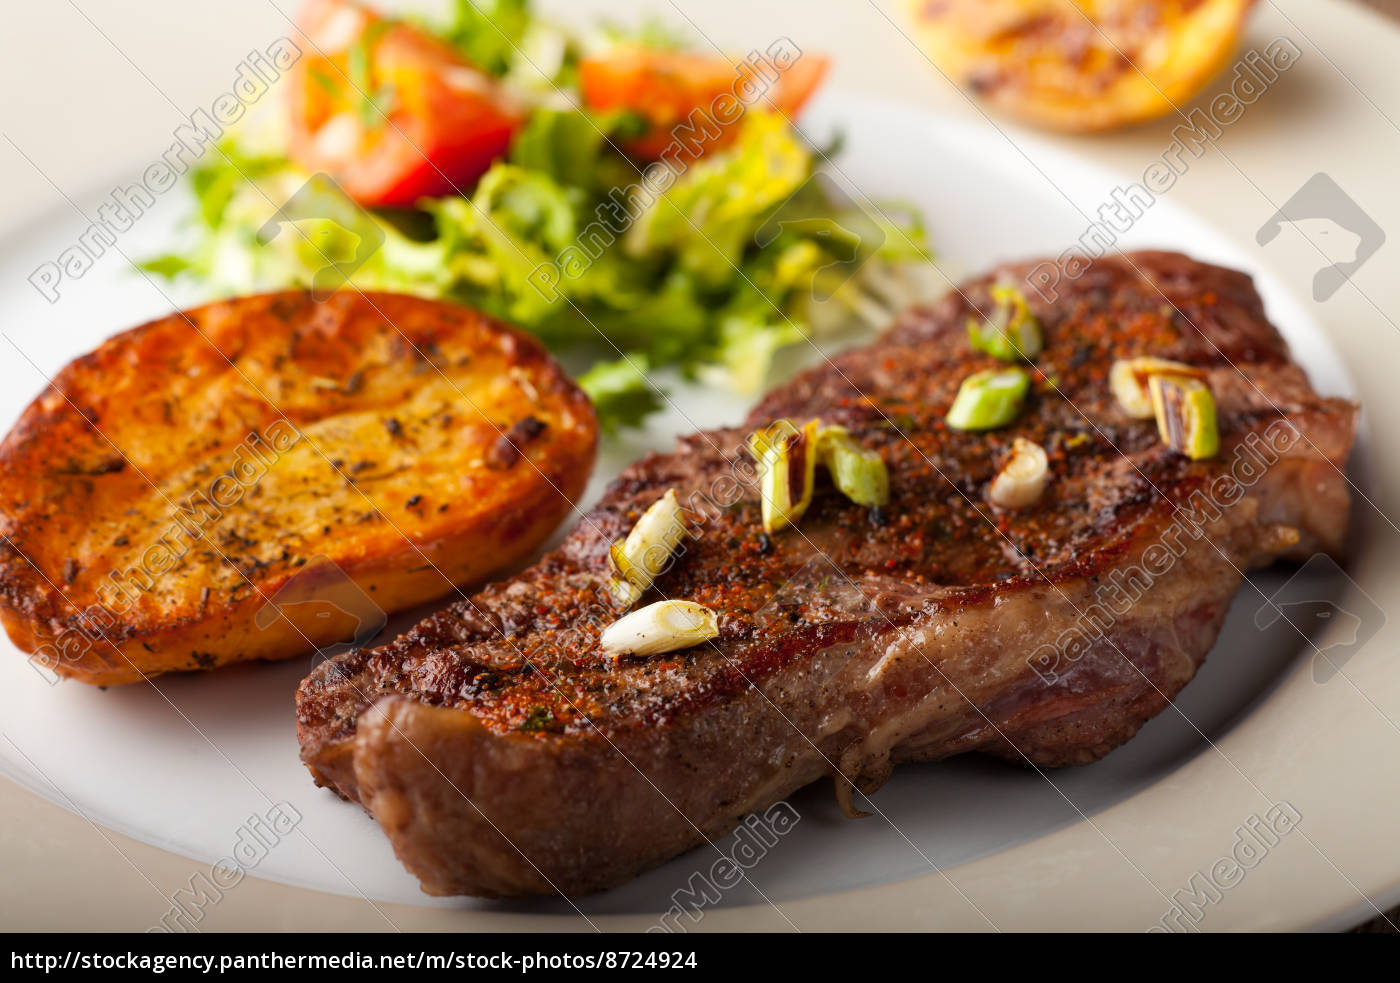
pixel 1085 65
pixel 177 478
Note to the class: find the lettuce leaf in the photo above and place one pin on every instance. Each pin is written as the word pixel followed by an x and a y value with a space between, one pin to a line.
pixel 620 391
pixel 487 32
pixel 738 257
pixel 708 217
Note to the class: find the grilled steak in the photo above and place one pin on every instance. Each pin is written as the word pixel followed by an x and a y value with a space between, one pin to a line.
pixel 503 754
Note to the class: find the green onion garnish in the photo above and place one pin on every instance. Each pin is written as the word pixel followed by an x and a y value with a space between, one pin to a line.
pixel 1129 378
pixel 990 399
pixel 787 464
pixel 858 473
pixel 1011 332
pixel 1185 411
pixel 638 559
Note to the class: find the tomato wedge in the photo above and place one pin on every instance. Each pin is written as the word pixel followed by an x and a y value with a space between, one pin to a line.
pixel 666 87
pixel 446 122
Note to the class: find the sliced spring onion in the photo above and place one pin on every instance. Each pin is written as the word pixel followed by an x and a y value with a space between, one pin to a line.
pixel 990 399
pixel 1010 332
pixel 1185 411
pixel 1022 479
pixel 666 626
pixel 858 473
pixel 787 464
pixel 1129 379
pixel 638 559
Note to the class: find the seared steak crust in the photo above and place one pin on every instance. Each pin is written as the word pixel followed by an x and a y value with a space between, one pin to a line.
pixel 504 755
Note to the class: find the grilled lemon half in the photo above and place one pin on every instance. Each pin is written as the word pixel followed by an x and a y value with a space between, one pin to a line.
pixel 1080 65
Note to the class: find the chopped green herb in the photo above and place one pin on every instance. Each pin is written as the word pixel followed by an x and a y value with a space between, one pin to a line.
pixel 538 719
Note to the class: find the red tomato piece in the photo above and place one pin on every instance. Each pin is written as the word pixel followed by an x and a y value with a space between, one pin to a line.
pixel 392 114
pixel 666 87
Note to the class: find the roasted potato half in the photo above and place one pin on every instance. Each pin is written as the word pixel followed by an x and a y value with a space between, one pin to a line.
pixel 262 477
pixel 1080 65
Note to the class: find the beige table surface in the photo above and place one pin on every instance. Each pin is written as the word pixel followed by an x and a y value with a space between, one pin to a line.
pixel 63 872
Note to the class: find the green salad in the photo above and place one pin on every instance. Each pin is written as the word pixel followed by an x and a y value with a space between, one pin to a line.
pixel 706 263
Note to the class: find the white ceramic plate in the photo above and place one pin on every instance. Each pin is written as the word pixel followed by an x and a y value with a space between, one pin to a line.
pixel 183 764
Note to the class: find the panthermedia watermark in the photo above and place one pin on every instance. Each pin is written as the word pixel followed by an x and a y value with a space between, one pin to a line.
pixel 1254 839
pixel 253 841
pixel 118 214
pixel 325 605
pixel 754 77
pixel 190 521
pixel 1320 595
pixel 1253 75
pixel 730 485
pixel 1334 224
pixel 341 235
pixel 1118 593
pixel 849 233
pixel 749 844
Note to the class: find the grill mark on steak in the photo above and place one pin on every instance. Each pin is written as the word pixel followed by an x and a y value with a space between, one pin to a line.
pixel 851 641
